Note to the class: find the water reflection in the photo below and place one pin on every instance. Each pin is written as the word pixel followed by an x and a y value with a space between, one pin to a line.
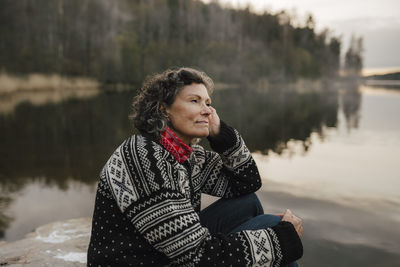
pixel 37 204
pixel 268 120
pixel 57 137
pixel 350 102
pixel 55 142
pixel 349 166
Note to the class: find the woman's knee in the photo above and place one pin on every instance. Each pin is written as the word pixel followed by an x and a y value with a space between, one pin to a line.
pixel 253 201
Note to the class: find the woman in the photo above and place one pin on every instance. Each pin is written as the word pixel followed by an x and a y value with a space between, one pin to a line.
pixel 147 210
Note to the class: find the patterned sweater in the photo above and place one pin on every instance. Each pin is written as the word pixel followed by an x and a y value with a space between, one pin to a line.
pixel 147 208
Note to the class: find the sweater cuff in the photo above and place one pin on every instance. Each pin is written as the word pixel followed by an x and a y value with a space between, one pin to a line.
pixel 224 140
pixel 290 242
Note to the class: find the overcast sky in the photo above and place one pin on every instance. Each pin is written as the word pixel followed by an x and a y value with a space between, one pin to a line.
pixel 378 21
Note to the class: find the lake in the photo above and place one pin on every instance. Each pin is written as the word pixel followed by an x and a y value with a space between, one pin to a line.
pixel 329 154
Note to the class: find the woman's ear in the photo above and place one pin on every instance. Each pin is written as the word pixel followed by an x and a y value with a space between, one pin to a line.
pixel 164 110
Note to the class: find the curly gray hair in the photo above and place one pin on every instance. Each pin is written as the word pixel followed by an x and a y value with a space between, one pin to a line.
pixel 159 91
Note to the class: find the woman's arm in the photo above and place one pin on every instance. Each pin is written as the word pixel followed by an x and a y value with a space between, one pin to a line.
pixel 229 170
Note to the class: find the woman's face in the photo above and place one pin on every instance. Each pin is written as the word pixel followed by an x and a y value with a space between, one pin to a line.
pixel 190 112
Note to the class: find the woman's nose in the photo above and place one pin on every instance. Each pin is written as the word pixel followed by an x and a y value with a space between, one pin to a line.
pixel 206 110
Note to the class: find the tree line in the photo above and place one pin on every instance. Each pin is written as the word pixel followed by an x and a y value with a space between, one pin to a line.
pixel 122 41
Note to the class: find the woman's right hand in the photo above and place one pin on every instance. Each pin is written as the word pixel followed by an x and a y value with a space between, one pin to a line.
pixel 288 216
pixel 214 122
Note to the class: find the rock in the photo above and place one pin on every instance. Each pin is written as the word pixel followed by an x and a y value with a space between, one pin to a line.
pixel 56 244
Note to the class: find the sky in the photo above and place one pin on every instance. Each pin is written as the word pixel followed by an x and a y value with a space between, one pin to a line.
pixel 377 21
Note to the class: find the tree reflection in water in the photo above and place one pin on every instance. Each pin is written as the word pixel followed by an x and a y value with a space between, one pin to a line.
pixel 268 120
pixel 56 142
pixel 350 104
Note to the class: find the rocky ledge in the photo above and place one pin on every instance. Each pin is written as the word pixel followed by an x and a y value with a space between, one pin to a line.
pixel 57 244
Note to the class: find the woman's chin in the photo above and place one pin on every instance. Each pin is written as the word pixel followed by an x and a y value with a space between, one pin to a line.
pixel 203 133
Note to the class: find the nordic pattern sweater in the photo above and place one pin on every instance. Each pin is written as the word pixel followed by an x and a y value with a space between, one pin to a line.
pixel 147 208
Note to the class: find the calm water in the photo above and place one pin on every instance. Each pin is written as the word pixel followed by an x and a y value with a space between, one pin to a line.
pixel 330 155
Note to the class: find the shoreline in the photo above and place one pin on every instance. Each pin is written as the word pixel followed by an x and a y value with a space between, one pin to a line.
pixel 43 82
pixel 367 239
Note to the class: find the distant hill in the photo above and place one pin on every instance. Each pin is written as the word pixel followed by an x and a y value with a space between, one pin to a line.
pixel 388 76
pixel 389 80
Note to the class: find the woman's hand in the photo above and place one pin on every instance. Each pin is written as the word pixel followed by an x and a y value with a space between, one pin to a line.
pixel 288 216
pixel 213 123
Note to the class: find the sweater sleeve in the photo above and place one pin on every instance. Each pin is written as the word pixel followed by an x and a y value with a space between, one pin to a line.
pixel 230 171
pixel 149 191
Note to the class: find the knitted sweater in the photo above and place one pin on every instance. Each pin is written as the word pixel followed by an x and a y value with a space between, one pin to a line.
pixel 147 208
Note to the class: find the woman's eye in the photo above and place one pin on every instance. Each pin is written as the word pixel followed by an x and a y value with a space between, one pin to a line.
pixel 208 105
pixel 193 101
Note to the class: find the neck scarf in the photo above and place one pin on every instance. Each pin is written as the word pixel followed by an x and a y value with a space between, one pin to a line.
pixel 175 146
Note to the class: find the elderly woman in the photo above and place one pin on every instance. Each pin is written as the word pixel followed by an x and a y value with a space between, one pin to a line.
pixel 147 210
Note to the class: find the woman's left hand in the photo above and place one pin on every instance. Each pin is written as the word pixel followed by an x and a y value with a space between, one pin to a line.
pixel 214 123
pixel 288 216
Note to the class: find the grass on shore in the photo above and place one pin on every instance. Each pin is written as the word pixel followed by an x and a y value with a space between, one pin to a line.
pixel 39 82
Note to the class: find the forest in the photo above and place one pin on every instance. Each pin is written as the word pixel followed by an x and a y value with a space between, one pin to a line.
pixel 123 41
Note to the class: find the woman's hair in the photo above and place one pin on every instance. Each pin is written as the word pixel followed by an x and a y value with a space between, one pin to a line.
pixel 158 92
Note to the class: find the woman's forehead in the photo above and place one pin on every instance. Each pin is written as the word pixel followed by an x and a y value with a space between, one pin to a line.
pixel 196 89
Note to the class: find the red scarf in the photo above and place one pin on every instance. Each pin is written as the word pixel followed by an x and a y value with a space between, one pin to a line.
pixel 175 146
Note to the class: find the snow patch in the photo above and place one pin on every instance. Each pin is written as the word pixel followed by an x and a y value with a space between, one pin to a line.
pixel 57 236
pixel 72 256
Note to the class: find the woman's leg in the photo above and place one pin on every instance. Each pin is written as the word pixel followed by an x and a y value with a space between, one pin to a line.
pixel 259 222
pixel 224 215
pixel 238 214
